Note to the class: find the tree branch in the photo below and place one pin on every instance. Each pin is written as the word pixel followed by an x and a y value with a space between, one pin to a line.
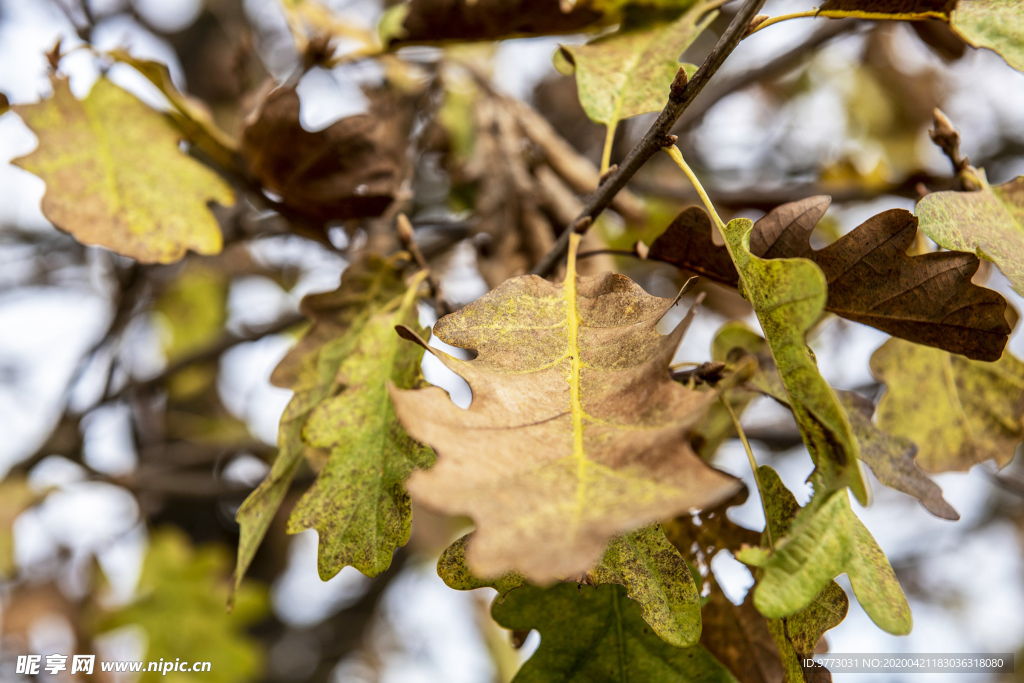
pixel 211 352
pixel 681 95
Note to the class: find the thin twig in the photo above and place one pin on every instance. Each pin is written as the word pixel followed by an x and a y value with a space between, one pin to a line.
pixel 681 94
pixel 408 238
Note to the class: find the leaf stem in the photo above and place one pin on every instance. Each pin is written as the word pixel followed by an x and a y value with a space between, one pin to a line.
pixel 853 14
pixel 753 467
pixel 677 157
pixel 609 141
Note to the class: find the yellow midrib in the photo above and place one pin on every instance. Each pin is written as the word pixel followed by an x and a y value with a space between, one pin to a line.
pixel 575 391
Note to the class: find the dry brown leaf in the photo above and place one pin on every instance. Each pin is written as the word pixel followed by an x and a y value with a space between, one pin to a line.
pixel 928 299
pixel 576 432
pixel 351 169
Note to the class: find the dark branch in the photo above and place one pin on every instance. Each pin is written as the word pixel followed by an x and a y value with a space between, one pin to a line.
pixel 680 98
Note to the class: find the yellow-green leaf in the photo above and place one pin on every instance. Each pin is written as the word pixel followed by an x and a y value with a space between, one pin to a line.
pixel 959 412
pixel 796 636
pixel 788 296
pixel 995 24
pixel 890 457
pixel 190 115
pixel 115 175
pixel 358 504
pixel 341 318
pixel 629 73
pixel 650 568
pixel 989 223
pixel 576 430
pixel 824 540
pixel 180 606
pixel 596 635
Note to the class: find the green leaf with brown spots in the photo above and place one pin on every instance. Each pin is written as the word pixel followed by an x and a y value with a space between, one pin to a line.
pixel 989 223
pixel 959 412
pixel 788 296
pixel 629 73
pixel 576 432
pixel 342 420
pixel 597 635
pixel 797 635
pixel 650 568
pixel 115 175
pixel 823 540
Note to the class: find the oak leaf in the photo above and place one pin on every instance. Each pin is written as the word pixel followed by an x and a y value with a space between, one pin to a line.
pixel 351 169
pixel 890 457
pixel 644 562
pixel 928 298
pixel 596 634
pixel 421 21
pixel 341 418
pixel 824 539
pixel 576 429
pixel 629 73
pixel 788 296
pixel 115 175
pixel 441 21
pixel 994 24
pixel 959 412
pixel 189 114
pixel 989 223
pixel 797 636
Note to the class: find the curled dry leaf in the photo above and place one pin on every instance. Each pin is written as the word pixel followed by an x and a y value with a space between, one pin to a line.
pixel 644 562
pixel 591 634
pixel 989 222
pixel 338 372
pixel 351 169
pixel 959 412
pixel 576 432
pixel 928 299
pixel 115 175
